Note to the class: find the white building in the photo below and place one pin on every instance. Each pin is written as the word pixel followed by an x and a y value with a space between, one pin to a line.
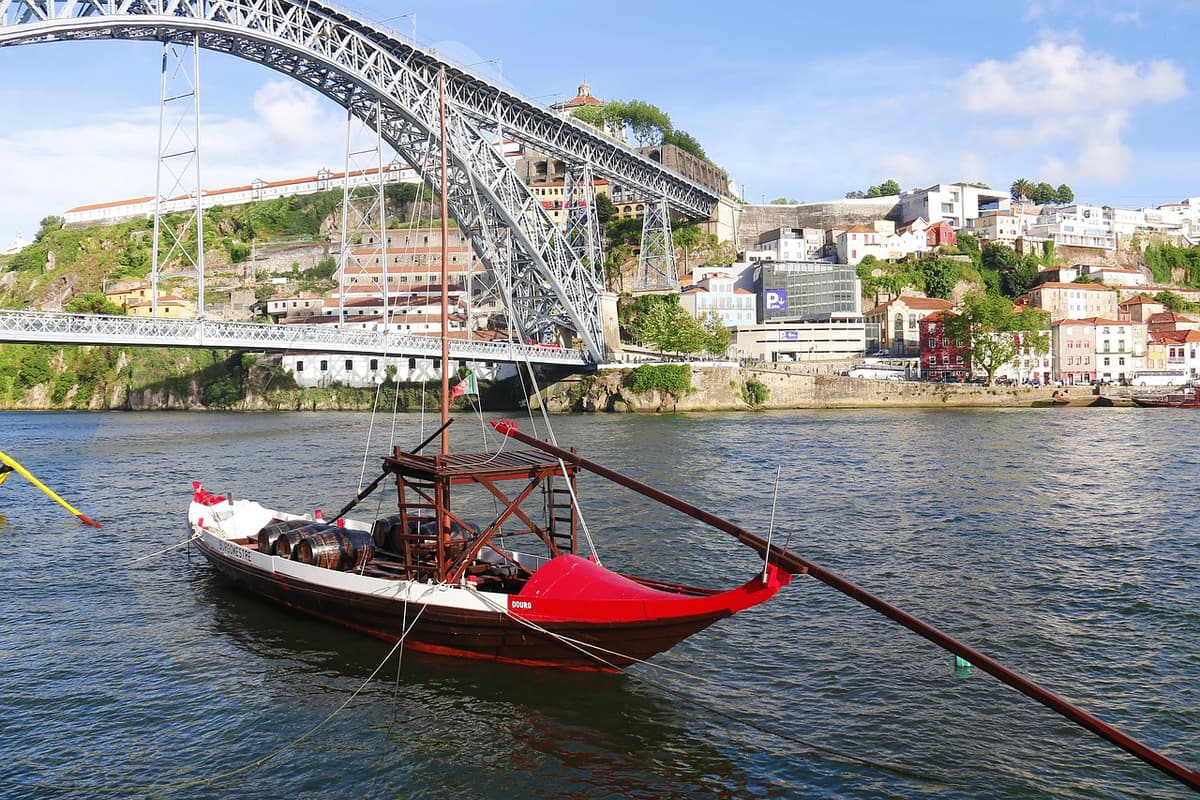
pixel 717 290
pixel 15 246
pixel 1004 227
pixel 789 244
pixel 258 189
pixel 956 203
pixel 313 370
pixel 1074 226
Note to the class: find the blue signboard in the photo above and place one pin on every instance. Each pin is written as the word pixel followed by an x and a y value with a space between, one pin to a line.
pixel 789 336
pixel 775 299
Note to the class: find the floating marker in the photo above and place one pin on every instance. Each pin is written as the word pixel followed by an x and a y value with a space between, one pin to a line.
pixel 962 667
pixel 10 465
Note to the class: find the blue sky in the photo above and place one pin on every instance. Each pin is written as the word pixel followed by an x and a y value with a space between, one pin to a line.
pixel 796 100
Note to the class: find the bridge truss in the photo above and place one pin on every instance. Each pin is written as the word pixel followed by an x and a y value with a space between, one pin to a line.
pixel 48 327
pixel 390 85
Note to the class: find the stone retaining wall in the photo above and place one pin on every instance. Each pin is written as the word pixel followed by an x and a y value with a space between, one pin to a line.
pixel 720 389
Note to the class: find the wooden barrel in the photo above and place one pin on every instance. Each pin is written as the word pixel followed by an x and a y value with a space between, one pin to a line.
pixel 285 545
pixel 381 531
pixel 270 533
pixel 336 548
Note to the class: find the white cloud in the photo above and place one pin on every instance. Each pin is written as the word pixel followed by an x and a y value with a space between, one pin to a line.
pixel 291 132
pixel 1057 94
pixel 289 113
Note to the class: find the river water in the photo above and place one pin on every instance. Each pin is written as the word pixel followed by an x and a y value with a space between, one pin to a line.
pixel 1062 542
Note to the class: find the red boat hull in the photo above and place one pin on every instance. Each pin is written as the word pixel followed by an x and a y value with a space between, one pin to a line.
pixel 604 636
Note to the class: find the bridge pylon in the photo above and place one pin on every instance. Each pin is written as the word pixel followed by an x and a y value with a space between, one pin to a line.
pixel 179 160
pixel 364 215
pixel 582 223
pixel 657 270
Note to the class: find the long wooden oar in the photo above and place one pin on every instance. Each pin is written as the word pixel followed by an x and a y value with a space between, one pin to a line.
pixel 9 465
pixel 798 565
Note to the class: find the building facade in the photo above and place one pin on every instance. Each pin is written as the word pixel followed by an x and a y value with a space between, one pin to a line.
pixel 1074 300
pixel 942 358
pixel 899 322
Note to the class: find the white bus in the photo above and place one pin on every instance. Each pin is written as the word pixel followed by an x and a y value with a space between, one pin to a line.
pixel 1159 377
pixel 879 372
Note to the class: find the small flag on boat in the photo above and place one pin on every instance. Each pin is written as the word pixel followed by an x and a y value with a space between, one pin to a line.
pixel 467 386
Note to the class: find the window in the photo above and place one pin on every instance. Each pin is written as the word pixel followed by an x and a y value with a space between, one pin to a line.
pixel 299 366
pixel 912 320
pixel 946 359
pixel 1106 360
pixel 349 365
pixel 324 365
pixel 374 364
pixel 958 359
pixel 412 363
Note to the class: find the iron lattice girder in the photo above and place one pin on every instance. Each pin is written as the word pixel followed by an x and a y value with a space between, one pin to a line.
pixel 49 327
pixel 343 58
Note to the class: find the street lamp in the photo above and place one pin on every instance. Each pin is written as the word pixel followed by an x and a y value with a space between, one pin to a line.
pixel 412 15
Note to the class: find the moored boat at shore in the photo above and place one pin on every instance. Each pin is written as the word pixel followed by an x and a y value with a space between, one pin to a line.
pixel 1183 397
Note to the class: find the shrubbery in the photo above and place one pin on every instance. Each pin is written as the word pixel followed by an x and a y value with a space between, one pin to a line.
pixel 672 379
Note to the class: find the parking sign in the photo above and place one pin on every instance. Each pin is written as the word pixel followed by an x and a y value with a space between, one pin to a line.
pixel 775 299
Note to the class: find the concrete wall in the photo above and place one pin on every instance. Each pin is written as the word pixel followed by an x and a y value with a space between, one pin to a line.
pixel 758 219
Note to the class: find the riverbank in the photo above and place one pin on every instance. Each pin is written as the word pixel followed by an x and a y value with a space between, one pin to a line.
pixel 733 388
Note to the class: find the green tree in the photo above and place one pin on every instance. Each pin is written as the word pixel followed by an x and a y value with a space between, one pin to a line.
pixel 92 303
pixel 659 321
pixel 686 142
pixel 1021 188
pixel 999 257
pixel 605 210
pixel 1013 274
pixel 48 226
pixel 719 336
pixel 35 368
pixel 941 275
pixel 885 189
pixel 990 329
pixel 1171 301
pixel 1022 277
pixel 1064 195
pixel 1044 193
pixel 968 245
pixel 648 123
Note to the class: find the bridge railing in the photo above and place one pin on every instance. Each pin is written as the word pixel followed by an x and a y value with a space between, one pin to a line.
pixel 50 327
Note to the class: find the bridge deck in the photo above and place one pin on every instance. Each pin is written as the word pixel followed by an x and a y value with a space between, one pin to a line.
pixel 48 327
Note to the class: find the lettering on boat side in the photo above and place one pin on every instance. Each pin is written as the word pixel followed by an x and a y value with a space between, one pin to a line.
pixel 233 551
pixel 522 604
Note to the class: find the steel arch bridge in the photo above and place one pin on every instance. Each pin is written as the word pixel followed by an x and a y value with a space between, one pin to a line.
pixel 390 83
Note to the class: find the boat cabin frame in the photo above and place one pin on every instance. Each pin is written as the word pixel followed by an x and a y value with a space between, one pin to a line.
pixel 436 544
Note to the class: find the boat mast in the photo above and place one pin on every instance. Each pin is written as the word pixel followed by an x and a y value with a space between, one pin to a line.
pixel 445 406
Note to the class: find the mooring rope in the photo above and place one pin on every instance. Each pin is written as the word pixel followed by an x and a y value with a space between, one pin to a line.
pixel 592 651
pixel 208 781
pixel 130 562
